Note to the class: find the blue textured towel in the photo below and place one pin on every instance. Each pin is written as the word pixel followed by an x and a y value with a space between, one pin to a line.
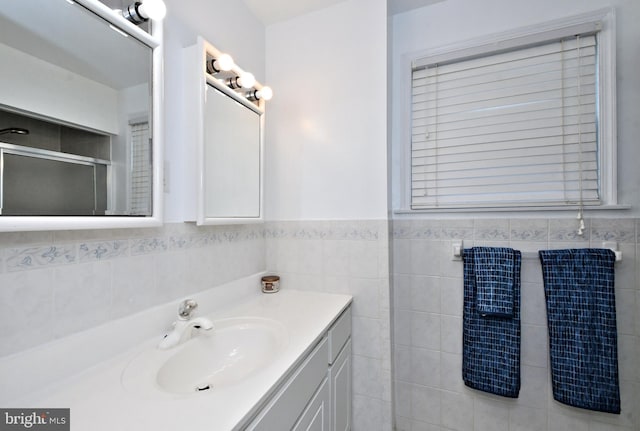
pixel 581 314
pixel 493 269
pixel 490 344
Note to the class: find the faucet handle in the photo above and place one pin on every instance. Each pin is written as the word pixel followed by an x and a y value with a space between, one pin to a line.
pixel 186 308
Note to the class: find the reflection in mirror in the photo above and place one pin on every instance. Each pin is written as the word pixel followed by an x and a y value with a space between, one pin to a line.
pixel 82 89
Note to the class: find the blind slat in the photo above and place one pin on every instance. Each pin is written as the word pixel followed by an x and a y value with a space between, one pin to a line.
pixel 549 65
pixel 518 126
pixel 516 54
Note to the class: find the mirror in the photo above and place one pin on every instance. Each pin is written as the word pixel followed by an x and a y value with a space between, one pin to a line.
pixel 79 131
pixel 232 158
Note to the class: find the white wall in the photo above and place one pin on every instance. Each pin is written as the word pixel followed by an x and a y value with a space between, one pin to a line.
pixel 326 145
pixel 326 125
pixel 459 20
pixel 68 97
pixel 229 25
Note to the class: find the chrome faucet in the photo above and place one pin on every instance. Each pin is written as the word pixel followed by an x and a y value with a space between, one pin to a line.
pixel 184 327
pixel 187 307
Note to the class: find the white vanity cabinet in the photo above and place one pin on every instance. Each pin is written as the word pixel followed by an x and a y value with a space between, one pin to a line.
pixel 340 372
pixel 340 386
pixel 316 416
pixel 305 384
pixel 317 395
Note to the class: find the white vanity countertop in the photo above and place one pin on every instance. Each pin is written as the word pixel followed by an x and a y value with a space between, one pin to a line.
pixel 98 400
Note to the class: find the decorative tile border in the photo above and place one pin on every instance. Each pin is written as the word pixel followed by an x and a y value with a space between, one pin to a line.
pixel 620 230
pixel 491 229
pixel 366 230
pixel 103 250
pixel 18 256
pixel 529 230
pixel 521 230
pixel 140 246
pixel 418 229
pixel 171 237
pixel 566 230
pixel 18 259
pixel 187 241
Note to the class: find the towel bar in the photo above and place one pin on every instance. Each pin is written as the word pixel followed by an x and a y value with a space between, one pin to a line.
pixel 457 250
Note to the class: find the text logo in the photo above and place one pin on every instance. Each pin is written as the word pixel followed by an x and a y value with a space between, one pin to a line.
pixel 35 419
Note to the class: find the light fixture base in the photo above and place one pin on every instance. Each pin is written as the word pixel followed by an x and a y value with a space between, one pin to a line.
pixel 132 14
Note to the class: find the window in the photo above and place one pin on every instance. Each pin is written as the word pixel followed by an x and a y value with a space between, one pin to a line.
pixel 515 123
pixel 141 169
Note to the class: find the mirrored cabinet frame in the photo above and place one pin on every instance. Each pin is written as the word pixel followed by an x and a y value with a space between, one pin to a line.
pixel 201 194
pixel 154 41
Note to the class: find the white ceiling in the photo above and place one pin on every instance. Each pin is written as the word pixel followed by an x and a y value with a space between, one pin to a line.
pixel 271 11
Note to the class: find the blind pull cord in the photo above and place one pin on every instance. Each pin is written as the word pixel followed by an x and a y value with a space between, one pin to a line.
pixel 581 227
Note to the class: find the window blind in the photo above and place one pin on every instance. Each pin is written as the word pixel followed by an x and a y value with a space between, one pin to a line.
pixel 508 129
pixel 141 173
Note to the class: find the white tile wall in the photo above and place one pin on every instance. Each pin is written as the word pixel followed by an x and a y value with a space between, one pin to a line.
pixel 346 257
pixel 427 296
pixel 53 284
pixel 68 281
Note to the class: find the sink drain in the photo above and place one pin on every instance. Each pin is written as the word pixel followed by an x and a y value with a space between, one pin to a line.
pixel 204 387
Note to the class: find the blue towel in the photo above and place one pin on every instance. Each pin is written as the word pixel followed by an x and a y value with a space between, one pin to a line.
pixel 493 269
pixel 581 315
pixel 490 344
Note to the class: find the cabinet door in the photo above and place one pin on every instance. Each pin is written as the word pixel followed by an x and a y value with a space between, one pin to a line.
pixel 282 411
pixel 232 159
pixel 340 380
pixel 316 416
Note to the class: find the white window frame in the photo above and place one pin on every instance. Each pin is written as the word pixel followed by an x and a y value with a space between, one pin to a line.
pixel 602 20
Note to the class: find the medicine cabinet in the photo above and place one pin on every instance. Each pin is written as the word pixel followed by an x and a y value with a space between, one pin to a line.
pixel 225 141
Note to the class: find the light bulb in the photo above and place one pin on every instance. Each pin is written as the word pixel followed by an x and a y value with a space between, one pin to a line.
pixel 265 93
pixel 224 62
pixel 153 9
pixel 247 80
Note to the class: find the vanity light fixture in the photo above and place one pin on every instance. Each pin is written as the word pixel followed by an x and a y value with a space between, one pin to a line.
pixel 224 70
pixel 142 11
pixel 265 93
pixel 244 80
pixel 224 62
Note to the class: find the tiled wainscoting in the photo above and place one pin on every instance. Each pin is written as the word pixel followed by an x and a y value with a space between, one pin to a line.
pixel 428 287
pixel 346 257
pixel 54 284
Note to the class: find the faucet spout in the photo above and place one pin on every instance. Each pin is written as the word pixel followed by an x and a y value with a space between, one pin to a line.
pixel 201 323
pixel 183 328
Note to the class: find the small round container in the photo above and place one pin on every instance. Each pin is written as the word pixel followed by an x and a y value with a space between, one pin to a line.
pixel 270 283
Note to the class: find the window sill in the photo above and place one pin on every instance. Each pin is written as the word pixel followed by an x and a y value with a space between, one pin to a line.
pixel 519 209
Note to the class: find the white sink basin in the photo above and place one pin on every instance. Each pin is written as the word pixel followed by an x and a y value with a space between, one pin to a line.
pixel 234 350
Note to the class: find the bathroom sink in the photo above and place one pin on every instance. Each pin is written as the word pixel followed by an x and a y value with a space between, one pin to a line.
pixel 234 350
